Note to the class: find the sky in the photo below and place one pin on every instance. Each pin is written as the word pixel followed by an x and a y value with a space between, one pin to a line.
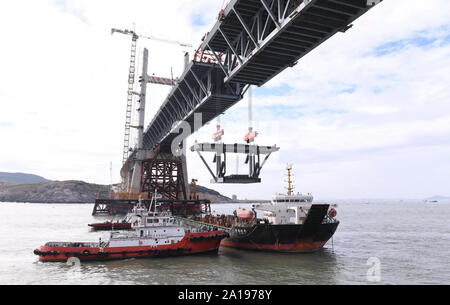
pixel 365 115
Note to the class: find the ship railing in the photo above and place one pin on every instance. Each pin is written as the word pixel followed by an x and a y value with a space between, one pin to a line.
pixel 71 245
pixel 329 219
pixel 204 224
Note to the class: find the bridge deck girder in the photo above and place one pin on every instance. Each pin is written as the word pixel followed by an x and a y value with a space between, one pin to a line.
pixel 253 33
pixel 199 90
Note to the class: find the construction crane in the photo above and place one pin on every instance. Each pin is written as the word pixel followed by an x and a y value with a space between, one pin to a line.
pixel 132 78
pixel 132 33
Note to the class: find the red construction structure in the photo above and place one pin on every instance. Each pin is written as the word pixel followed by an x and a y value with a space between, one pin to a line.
pixel 164 175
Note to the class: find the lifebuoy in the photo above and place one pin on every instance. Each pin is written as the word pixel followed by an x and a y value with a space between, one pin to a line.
pixel 332 213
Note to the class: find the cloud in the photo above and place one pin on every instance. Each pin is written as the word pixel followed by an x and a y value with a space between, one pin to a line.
pixel 364 115
pixel 69 7
pixel 6 124
pixel 373 93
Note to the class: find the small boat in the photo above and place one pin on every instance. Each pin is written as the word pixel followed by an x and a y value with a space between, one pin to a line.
pixel 111 226
pixel 155 234
pixel 121 225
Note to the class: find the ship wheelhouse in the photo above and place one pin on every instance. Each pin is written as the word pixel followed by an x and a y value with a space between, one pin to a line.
pixel 299 198
pixel 150 229
pixel 287 209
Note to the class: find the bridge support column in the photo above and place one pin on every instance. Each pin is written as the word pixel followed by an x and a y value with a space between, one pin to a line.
pixel 135 183
pixel 166 175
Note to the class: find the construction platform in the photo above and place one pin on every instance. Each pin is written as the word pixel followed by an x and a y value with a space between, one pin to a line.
pixel 113 207
pixel 254 161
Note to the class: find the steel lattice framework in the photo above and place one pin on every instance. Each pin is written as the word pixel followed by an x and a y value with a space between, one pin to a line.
pixel 200 89
pixel 164 176
pixel 257 39
pixel 252 42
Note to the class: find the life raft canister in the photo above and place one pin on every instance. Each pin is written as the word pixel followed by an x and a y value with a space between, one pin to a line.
pixel 332 213
pixel 245 214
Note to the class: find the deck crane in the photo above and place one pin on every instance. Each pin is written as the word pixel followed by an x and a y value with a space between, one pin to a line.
pixel 132 78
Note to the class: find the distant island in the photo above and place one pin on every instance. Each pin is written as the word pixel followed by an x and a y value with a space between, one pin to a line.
pixel 21 178
pixel 438 198
pixel 20 187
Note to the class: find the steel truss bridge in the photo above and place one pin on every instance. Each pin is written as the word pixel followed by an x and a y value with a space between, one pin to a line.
pixel 251 42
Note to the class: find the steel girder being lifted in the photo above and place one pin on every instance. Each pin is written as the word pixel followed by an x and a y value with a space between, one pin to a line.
pixel 221 150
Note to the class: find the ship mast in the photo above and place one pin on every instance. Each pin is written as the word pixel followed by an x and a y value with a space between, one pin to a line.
pixel 290 187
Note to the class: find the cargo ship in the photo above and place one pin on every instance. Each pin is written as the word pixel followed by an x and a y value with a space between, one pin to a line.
pixel 290 223
pixel 156 234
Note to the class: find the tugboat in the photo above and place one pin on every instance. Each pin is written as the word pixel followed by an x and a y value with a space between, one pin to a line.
pixel 156 234
pixel 290 223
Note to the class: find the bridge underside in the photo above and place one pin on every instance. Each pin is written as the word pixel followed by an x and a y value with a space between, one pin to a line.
pixel 257 39
pixel 200 89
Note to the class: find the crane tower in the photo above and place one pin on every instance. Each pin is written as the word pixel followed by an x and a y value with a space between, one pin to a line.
pixel 132 79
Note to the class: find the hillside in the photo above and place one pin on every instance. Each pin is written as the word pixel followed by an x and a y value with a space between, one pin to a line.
pixel 72 192
pixel 21 178
pixel 209 194
pixel 51 192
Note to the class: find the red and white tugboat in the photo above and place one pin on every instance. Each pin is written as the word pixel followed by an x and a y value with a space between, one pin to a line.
pixel 155 235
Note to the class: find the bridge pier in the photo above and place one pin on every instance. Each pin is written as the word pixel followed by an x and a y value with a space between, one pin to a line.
pixel 113 207
pixel 166 175
pixel 156 171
